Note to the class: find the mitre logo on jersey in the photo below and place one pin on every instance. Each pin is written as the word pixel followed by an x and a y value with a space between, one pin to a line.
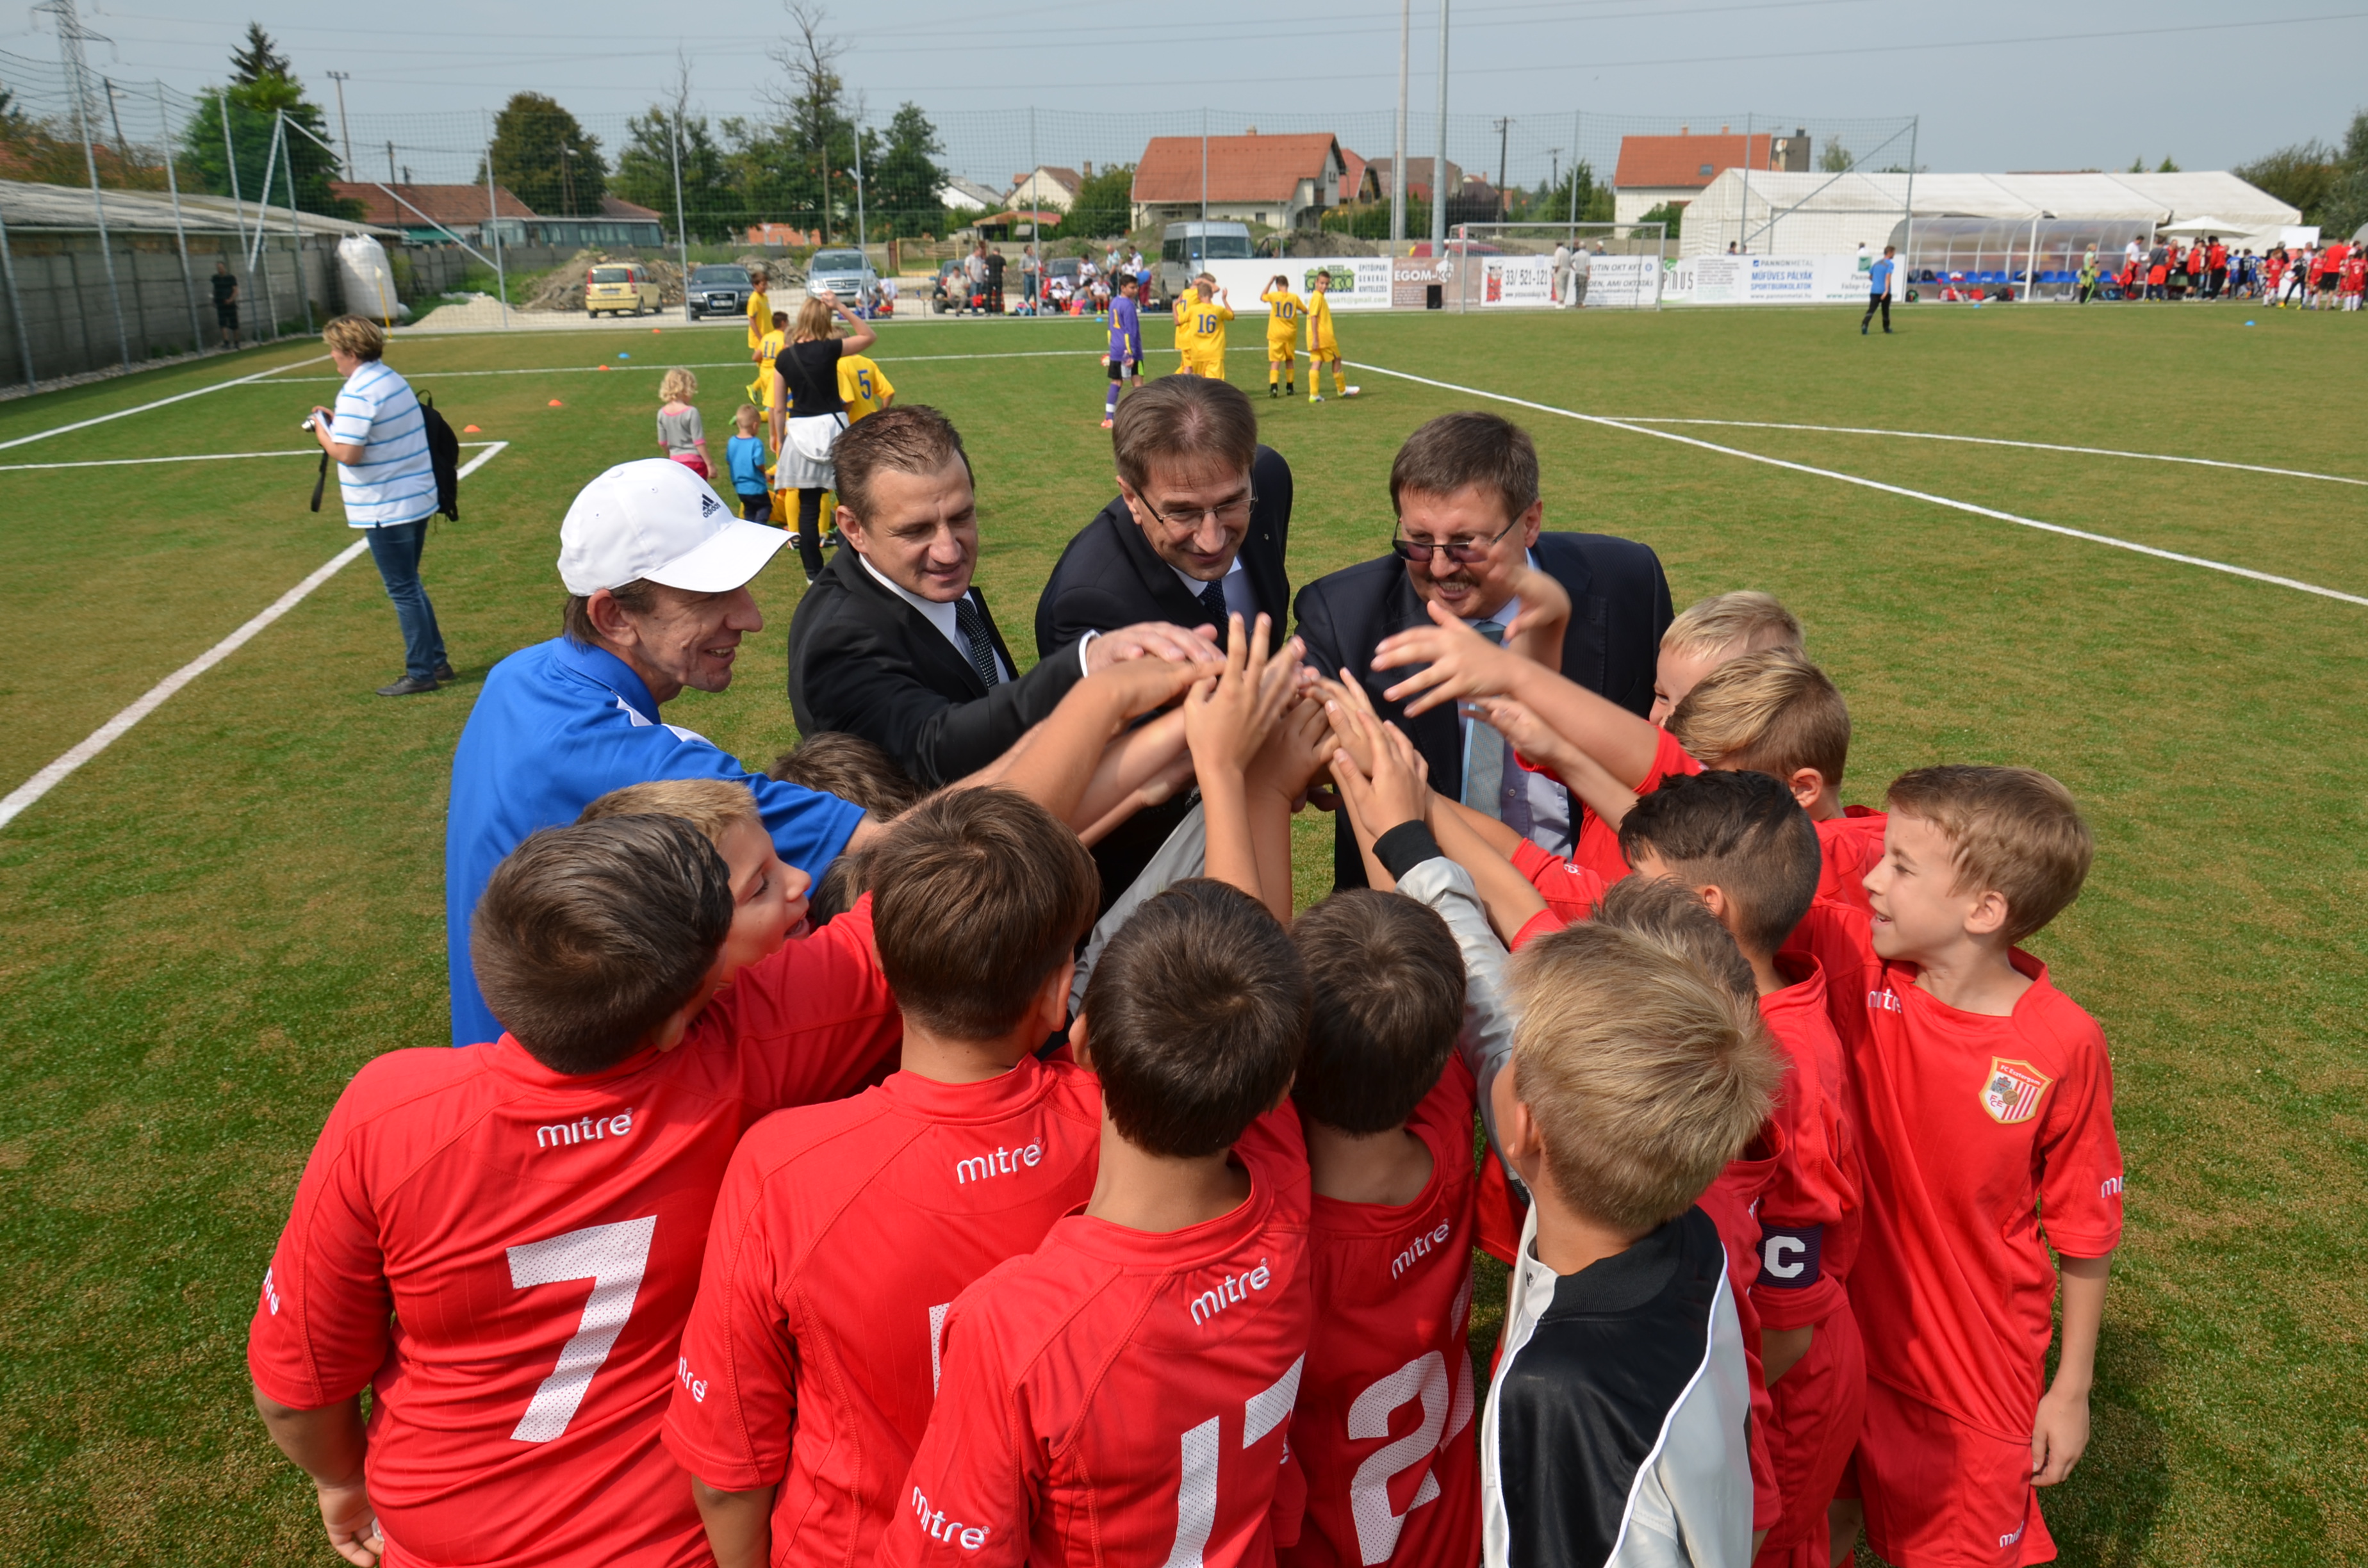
pixel 585 1129
pixel 2012 1092
pixel 1231 1288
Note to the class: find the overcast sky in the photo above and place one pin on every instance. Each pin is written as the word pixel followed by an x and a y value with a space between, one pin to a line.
pixel 1997 87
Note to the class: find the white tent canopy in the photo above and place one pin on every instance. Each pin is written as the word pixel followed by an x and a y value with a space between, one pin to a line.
pixel 1815 214
pixel 2206 225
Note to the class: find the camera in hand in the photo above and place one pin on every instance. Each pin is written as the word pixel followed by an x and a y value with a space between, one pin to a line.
pixel 309 425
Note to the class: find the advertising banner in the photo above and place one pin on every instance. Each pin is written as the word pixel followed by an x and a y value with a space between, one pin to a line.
pixel 1355 282
pixel 1516 281
pixel 1624 282
pixel 1767 281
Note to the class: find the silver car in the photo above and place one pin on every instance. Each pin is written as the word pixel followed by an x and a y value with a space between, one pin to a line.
pixel 847 273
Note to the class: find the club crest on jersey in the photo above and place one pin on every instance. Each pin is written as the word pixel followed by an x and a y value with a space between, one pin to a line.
pixel 2013 1091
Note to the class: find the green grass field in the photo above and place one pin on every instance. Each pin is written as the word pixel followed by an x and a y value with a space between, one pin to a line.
pixel 212 924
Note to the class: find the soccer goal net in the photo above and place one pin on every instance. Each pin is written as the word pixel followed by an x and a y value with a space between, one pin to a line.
pixel 1546 265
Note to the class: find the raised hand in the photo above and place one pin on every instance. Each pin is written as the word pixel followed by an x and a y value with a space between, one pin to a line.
pixel 1230 711
pixel 1462 663
pixel 1155 640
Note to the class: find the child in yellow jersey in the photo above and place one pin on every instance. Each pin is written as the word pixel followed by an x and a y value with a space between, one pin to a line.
pixel 1200 332
pixel 863 386
pixel 1321 345
pixel 1284 309
pixel 760 311
pixel 768 348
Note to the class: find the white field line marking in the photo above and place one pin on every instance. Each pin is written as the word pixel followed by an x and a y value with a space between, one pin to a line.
pixel 2295 584
pixel 49 778
pixel 192 457
pixel 735 365
pixel 176 397
pixel 1995 441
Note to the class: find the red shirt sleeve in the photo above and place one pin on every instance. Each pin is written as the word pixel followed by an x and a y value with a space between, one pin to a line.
pixel 969 1497
pixel 735 1383
pixel 2080 1170
pixel 811 1021
pixel 1571 891
pixel 1803 1202
pixel 319 1329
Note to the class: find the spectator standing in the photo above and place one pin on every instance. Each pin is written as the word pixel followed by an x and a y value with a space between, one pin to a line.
pixel 2217 262
pixel 974 270
pixel 1878 297
pixel 1562 274
pixel 809 413
pixel 226 304
pixel 378 438
pixel 1582 268
pixel 1031 277
pixel 2088 276
pixel 995 265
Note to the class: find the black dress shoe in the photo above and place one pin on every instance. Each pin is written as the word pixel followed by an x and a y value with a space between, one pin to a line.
pixel 408 686
pixel 444 672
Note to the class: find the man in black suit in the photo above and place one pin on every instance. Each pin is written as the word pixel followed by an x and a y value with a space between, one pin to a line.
pixel 1197 532
pixel 1465 490
pixel 894 644
pixel 1198 527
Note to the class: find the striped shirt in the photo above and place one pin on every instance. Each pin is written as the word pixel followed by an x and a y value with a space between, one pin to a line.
pixel 394 482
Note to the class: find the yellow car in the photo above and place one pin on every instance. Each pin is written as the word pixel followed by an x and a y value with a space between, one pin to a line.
pixel 622 288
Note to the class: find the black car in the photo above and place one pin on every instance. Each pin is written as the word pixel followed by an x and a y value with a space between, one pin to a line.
pixel 719 290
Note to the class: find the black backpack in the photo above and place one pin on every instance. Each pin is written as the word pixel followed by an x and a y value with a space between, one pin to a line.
pixel 443 458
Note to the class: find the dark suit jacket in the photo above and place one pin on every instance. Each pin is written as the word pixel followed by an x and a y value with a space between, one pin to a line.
pixel 1619 607
pixel 864 662
pixel 1108 577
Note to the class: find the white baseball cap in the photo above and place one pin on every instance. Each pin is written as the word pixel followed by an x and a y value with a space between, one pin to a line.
pixel 655 520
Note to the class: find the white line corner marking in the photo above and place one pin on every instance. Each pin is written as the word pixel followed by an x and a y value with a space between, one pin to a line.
pixel 105 735
pixel 1924 495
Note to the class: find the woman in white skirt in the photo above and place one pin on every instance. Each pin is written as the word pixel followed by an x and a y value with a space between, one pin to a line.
pixel 808 413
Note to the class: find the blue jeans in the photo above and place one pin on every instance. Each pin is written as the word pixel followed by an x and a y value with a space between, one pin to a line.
pixel 395 547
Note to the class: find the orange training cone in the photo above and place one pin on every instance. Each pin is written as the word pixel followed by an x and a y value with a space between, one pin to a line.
pixel 469 430
pixel 555 403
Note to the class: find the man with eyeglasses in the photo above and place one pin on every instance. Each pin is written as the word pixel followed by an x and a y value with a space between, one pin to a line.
pixel 1469 525
pixel 1197 531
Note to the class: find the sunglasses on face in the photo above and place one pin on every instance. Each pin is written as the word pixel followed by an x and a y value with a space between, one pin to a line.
pixel 1463 552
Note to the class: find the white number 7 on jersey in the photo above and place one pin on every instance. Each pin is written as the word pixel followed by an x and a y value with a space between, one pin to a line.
pixel 612 1257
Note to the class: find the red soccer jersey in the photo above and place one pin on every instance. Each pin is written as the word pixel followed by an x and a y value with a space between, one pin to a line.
pixel 1382 1427
pixel 1812 1190
pixel 1969 1125
pixel 1118 1396
pixel 505 1255
pixel 1851 846
pixel 843 1235
pixel 1571 891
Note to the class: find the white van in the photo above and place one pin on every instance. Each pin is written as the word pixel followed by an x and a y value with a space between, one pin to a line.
pixel 1186 249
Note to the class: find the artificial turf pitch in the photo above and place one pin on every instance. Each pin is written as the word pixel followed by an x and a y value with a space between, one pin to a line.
pixel 212 924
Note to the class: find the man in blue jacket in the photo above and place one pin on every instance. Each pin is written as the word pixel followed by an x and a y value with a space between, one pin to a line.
pixel 657 572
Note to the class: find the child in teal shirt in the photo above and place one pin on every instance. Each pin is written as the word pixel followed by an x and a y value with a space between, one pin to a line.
pixel 745 454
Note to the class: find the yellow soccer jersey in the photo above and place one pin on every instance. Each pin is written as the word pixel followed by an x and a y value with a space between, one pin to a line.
pixel 760 316
pixel 1282 323
pixel 1200 332
pixel 1319 319
pixel 760 391
pixel 862 386
pixel 1183 302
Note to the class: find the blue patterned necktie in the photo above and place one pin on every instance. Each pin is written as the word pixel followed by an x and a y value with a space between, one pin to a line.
pixel 1485 765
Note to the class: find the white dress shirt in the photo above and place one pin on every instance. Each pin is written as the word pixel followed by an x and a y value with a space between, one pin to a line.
pixel 1240 599
pixel 945 619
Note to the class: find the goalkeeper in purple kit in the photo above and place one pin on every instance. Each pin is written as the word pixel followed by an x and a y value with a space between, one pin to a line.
pixel 1125 355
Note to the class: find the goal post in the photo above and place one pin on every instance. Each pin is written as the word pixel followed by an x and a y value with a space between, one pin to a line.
pixel 1511 266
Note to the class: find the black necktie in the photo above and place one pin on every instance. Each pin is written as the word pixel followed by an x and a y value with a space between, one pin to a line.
pixel 1213 599
pixel 973 626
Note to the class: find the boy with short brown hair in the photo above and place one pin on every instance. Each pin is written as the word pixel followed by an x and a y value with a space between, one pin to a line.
pixel 1983 1102
pixel 1618 1411
pixel 845 1231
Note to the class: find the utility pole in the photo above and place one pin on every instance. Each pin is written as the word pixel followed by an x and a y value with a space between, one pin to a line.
pixel 567 180
pixel 344 135
pixel 389 164
pixel 1504 130
pixel 122 148
pixel 1439 191
pixel 72 35
pixel 1397 160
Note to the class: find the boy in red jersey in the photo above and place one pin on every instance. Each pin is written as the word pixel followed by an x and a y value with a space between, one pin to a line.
pixel 1740 843
pixel 501 1242
pixel 1122 1394
pixel 1983 1097
pixel 844 1231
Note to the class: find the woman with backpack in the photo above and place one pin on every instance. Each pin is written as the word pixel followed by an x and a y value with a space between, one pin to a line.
pixel 809 413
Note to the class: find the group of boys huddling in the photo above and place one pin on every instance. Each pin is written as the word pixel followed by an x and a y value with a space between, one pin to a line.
pixel 939 1221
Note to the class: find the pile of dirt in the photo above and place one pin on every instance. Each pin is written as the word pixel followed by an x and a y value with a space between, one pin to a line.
pixel 780 270
pixel 1329 243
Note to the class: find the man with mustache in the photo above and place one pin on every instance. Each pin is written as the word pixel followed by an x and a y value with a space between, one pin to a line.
pixel 1470 527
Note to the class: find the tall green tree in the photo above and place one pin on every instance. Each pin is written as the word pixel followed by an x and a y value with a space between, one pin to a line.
pixel 258 58
pixel 816 136
pixel 904 174
pixel 646 170
pixel 1551 203
pixel 1105 205
pixel 2347 203
pixel 544 158
pixel 2303 176
pixel 1837 159
pixel 261 90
